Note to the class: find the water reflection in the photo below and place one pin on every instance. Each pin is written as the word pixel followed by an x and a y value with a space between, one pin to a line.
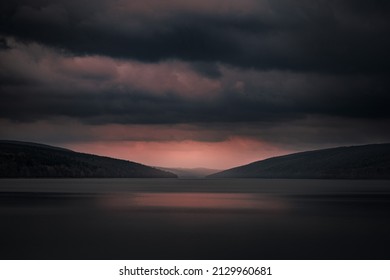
pixel 227 201
pixel 194 219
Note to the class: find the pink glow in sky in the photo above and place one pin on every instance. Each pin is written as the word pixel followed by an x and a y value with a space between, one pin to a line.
pixel 186 154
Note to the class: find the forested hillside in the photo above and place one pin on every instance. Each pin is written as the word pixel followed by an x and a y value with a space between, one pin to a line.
pixel 31 160
pixel 356 162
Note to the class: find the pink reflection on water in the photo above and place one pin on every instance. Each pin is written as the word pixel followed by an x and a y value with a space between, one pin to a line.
pixel 195 201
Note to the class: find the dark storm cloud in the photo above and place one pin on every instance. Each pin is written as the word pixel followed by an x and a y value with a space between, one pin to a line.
pixel 133 108
pixel 326 97
pixel 279 70
pixel 325 36
pixel 3 44
pixel 39 83
pixel 210 70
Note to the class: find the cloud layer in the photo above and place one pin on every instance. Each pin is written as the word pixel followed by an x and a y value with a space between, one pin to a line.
pixel 326 36
pixel 287 74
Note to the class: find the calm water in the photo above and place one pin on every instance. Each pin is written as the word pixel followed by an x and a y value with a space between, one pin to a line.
pixel 194 219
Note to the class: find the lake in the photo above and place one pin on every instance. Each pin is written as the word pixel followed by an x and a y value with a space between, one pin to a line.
pixel 194 219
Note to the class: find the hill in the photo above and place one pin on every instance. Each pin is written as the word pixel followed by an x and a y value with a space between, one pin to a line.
pixel 32 160
pixel 190 173
pixel 356 162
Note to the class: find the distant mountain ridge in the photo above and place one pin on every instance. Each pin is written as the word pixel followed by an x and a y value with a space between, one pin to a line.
pixel 355 162
pixel 190 173
pixel 33 160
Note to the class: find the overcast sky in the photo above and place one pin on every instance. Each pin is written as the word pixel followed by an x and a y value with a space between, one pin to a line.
pixel 212 83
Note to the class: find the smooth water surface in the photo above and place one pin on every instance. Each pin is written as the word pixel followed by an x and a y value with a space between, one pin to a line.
pixel 194 219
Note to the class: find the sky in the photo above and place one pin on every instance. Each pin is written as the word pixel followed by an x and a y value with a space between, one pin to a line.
pixel 205 83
